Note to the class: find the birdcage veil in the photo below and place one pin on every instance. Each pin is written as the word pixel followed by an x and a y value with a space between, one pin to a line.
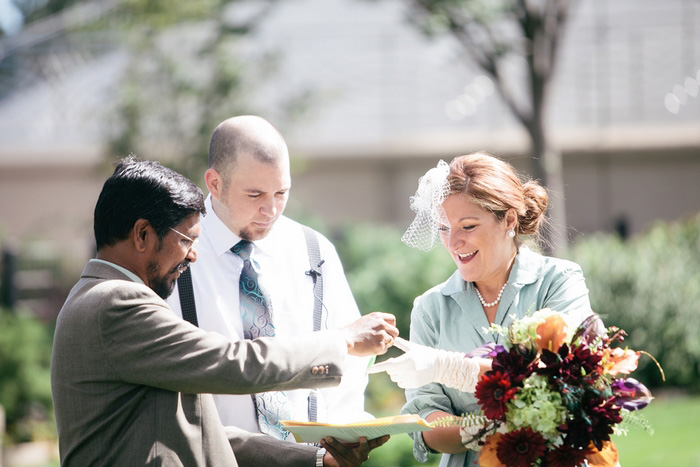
pixel 433 188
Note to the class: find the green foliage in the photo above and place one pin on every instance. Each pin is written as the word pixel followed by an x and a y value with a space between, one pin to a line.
pixel 184 78
pixel 650 287
pixel 631 420
pixel 25 387
pixel 386 275
pixel 190 68
pixel 473 419
pixel 448 16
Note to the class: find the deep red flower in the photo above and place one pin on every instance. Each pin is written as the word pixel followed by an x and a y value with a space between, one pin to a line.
pixel 517 363
pixel 571 365
pixel 521 448
pixel 566 456
pixel 493 391
pixel 593 421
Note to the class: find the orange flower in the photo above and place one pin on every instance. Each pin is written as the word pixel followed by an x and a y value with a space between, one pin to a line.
pixel 551 333
pixel 621 361
pixel 488 455
pixel 607 457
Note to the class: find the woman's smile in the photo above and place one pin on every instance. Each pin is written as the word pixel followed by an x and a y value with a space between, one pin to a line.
pixel 466 257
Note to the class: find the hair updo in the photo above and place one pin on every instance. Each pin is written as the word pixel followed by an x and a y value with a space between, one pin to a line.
pixel 495 186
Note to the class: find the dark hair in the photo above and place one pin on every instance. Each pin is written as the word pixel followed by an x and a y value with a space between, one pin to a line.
pixel 143 190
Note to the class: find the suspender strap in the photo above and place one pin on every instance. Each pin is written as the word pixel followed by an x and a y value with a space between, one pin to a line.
pixel 184 288
pixel 315 272
pixel 315 262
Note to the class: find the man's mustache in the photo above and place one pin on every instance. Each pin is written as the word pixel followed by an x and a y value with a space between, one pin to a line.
pixel 182 267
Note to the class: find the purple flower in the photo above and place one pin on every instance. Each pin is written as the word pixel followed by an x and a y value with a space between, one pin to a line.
pixel 631 394
pixel 487 350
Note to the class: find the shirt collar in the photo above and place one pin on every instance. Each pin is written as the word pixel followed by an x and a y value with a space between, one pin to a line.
pixel 526 269
pixel 121 269
pixel 217 233
pixel 221 237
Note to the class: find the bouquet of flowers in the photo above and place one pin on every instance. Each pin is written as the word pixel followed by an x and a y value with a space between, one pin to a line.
pixel 554 395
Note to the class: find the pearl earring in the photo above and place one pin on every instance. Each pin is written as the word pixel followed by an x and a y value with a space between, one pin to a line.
pixel 510 233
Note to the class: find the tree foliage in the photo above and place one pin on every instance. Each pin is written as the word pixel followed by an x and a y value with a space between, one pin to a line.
pixel 187 72
pixel 25 387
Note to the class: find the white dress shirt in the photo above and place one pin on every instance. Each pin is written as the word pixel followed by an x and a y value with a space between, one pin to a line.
pixel 283 260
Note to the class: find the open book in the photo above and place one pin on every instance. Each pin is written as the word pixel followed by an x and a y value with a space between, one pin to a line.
pixel 311 432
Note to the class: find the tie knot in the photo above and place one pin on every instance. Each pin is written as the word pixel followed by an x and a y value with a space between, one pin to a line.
pixel 243 249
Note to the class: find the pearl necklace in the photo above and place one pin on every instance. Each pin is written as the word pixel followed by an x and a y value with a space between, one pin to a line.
pixel 493 303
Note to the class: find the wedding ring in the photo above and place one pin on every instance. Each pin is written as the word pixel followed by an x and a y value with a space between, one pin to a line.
pixel 389 342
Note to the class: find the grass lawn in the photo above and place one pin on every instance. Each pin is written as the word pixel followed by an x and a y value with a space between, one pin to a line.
pixel 676 438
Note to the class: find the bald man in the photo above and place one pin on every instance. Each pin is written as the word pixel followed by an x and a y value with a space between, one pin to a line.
pixel 249 183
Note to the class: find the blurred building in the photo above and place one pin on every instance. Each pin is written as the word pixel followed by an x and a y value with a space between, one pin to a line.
pixel 387 104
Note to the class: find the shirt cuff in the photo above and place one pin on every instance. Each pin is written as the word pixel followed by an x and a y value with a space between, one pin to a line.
pixel 339 339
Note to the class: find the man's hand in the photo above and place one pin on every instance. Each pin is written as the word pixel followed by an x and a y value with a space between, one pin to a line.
pixel 372 334
pixel 349 455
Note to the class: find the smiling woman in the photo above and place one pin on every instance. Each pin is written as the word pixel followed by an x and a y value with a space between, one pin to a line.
pixel 481 211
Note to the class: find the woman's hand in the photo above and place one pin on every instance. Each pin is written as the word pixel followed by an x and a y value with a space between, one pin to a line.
pixel 422 365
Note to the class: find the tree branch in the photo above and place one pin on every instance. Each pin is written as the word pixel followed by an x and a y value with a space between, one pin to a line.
pixel 486 53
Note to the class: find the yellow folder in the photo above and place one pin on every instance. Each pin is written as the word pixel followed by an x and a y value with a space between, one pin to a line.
pixel 312 432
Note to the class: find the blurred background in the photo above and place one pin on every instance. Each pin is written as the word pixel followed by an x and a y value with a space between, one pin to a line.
pixel 598 99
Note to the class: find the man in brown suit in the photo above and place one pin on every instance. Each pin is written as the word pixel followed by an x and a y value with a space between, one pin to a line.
pixel 132 382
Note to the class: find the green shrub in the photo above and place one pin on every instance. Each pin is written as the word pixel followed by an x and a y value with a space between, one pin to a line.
pixel 386 275
pixel 650 287
pixel 25 387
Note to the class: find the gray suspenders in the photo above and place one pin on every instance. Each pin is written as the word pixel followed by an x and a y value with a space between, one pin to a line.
pixel 315 262
pixel 189 310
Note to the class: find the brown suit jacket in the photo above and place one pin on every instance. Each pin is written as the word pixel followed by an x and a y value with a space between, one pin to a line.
pixel 131 382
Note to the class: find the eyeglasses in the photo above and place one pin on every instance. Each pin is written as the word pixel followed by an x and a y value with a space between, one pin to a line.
pixel 192 241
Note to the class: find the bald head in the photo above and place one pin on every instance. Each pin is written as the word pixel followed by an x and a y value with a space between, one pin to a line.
pixel 248 175
pixel 245 135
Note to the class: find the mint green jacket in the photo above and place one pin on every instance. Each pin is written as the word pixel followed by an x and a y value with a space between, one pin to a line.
pixel 449 316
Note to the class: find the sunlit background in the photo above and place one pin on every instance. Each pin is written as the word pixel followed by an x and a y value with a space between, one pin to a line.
pixel 369 95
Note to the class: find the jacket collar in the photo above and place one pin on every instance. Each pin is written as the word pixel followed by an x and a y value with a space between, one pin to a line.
pixel 104 270
pixel 526 269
